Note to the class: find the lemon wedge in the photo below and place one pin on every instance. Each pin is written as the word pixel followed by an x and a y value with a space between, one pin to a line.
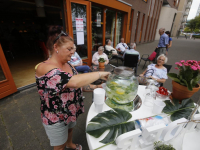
pixel 114 83
pixel 120 91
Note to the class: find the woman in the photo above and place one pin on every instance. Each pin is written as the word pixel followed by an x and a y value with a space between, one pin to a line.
pixel 99 54
pixel 110 48
pixel 170 41
pixel 77 62
pixel 59 87
pixel 157 71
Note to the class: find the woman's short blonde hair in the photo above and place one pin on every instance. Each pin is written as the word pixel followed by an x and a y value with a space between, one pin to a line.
pixel 162 55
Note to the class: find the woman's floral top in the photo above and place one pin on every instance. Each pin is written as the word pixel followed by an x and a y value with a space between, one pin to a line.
pixel 59 103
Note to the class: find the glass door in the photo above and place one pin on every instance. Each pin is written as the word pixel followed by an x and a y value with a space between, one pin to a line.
pixel 79 27
pixel 7 85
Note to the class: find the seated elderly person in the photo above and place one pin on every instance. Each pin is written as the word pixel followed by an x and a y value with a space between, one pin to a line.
pixel 114 51
pixel 121 47
pixel 132 51
pixel 157 71
pixel 77 62
pixel 99 54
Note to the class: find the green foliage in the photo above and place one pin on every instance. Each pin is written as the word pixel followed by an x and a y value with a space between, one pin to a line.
pixel 187 29
pixel 196 30
pixel 177 110
pixel 194 23
pixel 188 75
pixel 114 121
pixel 158 145
pixel 101 59
pixel 196 36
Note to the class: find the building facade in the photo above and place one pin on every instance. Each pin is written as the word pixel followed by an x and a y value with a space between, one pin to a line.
pixel 198 11
pixel 24 24
pixel 167 16
pixel 181 17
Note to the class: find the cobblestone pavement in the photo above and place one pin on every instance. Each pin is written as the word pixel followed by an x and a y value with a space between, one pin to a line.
pixel 20 124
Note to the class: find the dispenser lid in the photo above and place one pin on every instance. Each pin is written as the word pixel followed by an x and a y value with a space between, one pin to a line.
pixel 124 71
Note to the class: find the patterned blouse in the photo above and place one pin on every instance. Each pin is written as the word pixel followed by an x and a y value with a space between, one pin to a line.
pixel 59 103
pixel 156 73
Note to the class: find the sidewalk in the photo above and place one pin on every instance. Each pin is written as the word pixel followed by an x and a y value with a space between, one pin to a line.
pixel 20 123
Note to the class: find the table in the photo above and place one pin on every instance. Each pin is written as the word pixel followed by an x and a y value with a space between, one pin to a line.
pixel 142 112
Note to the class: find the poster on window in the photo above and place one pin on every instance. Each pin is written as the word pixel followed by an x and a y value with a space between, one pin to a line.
pixel 79 24
pixel 98 20
pixel 80 38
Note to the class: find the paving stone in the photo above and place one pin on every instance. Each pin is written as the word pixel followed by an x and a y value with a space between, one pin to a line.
pixel 22 139
pixel 34 145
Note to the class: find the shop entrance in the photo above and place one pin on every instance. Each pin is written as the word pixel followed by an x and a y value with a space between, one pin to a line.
pixel 23 35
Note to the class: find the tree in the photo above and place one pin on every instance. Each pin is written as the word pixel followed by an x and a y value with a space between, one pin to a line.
pixel 192 24
pixel 187 29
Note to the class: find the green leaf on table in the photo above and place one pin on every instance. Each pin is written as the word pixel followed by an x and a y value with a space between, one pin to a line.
pixel 114 121
pixel 177 110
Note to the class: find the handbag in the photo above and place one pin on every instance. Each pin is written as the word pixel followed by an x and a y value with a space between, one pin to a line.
pixel 152 56
pixel 143 79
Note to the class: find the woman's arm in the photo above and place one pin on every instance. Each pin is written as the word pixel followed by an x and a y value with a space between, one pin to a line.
pixel 170 44
pixel 143 73
pixel 158 80
pixel 80 80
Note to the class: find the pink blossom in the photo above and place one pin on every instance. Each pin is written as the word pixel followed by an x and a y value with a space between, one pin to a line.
pixel 61 116
pixel 71 95
pixel 64 97
pixel 72 109
pixel 182 61
pixel 51 73
pixel 53 102
pixel 47 114
pixel 193 67
pixel 176 63
pixel 56 79
pixel 65 116
pixel 176 68
pixel 54 118
pixel 40 92
pixel 55 106
pixel 180 64
pixel 45 120
pixel 199 62
pixel 51 84
pixel 186 64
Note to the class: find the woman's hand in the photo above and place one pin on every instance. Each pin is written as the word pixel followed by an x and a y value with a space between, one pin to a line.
pixel 141 75
pixel 104 75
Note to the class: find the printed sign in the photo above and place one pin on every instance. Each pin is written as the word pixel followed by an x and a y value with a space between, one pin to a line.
pixel 79 24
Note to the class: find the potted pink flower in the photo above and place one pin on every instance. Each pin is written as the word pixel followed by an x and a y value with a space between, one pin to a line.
pixel 185 83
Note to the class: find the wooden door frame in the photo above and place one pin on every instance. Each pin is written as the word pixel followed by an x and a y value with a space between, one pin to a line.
pixel 7 86
pixel 89 26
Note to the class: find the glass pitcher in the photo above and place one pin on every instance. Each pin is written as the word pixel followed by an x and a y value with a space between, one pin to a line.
pixel 122 85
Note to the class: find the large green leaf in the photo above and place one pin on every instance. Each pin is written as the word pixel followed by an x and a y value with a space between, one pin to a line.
pixel 174 77
pixel 114 121
pixel 177 110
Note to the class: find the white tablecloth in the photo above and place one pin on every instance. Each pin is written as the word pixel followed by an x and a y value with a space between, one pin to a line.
pixel 142 112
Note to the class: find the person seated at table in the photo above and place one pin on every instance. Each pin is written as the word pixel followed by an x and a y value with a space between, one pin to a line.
pixel 114 51
pixel 121 47
pixel 99 54
pixel 157 71
pixel 77 62
pixel 132 51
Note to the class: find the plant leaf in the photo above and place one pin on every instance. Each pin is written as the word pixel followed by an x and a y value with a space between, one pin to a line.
pixel 174 77
pixel 114 121
pixel 177 110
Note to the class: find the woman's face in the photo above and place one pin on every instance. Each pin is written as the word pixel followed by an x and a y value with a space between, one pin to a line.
pixel 161 61
pixel 100 51
pixel 65 51
pixel 109 42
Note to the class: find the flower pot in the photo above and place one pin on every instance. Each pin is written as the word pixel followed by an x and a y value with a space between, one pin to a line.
pixel 181 92
pixel 101 65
